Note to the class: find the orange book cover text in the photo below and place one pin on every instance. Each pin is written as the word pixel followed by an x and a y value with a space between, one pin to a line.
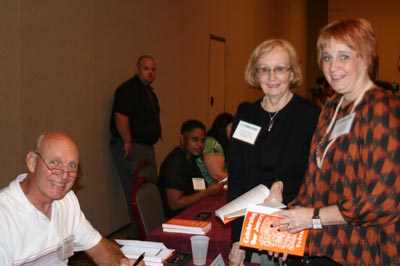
pixel 257 233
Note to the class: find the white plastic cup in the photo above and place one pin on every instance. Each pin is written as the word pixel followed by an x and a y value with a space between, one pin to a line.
pixel 199 249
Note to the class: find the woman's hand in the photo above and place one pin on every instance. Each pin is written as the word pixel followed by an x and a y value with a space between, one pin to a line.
pixel 295 220
pixel 275 192
pixel 236 255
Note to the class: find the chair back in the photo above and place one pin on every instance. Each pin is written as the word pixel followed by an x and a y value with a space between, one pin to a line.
pixel 147 206
pixel 147 169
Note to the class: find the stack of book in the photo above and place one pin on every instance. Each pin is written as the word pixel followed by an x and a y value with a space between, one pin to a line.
pixel 155 253
pixel 186 226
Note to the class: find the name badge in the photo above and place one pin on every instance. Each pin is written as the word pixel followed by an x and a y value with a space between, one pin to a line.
pixel 342 126
pixel 66 248
pixel 198 183
pixel 246 132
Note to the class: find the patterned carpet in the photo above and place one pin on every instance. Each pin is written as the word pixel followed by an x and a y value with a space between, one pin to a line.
pixel 126 232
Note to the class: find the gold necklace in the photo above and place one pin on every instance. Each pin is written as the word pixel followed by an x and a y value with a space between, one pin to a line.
pixel 271 117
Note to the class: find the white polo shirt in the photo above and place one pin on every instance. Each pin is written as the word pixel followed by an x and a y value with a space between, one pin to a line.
pixel 28 237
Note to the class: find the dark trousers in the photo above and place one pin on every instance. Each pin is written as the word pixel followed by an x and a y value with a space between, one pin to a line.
pixel 318 261
pixel 126 166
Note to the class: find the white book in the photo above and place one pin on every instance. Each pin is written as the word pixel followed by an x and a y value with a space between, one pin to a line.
pixel 237 207
pixel 187 224
pixel 154 251
pixel 186 231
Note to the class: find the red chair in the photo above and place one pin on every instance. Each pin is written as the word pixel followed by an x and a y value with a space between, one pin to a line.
pixel 147 206
pixel 147 169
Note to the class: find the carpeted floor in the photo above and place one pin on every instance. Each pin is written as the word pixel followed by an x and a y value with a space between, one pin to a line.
pixel 127 232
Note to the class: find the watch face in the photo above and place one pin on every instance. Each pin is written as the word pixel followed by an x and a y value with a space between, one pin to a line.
pixel 316 223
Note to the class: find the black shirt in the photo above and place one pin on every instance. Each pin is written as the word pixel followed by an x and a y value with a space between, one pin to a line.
pixel 140 104
pixel 176 172
pixel 281 153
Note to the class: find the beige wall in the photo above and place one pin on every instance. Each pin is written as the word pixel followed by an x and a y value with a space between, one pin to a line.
pixel 384 18
pixel 61 60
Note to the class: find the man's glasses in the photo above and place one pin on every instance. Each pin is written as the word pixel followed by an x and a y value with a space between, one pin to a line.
pixel 277 70
pixel 57 171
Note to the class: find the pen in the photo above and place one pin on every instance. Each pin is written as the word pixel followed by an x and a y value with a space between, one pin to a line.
pixel 139 259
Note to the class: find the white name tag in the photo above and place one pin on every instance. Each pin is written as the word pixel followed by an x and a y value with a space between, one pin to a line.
pixel 246 132
pixel 198 183
pixel 342 126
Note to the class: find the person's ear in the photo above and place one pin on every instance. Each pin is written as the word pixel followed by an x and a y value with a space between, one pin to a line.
pixel 31 160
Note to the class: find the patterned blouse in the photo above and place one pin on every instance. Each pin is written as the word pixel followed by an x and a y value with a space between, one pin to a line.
pixel 211 146
pixel 361 175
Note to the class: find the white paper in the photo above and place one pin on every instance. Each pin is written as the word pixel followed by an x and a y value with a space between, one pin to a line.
pixel 218 261
pixel 198 183
pixel 238 206
pixel 154 251
pixel 246 132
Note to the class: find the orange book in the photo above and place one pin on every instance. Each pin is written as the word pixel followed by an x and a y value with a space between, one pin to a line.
pixel 257 233
pixel 189 226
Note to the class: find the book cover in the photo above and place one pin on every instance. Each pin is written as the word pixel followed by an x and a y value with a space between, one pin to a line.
pixel 257 233
pixel 187 224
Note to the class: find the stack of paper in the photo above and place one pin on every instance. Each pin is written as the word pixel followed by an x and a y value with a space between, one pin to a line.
pixel 186 226
pixel 155 252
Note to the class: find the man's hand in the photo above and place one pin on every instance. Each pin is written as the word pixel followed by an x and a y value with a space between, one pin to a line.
pixel 127 148
pixel 128 262
pixel 236 255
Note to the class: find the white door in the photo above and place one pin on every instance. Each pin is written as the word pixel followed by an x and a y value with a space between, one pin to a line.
pixel 216 87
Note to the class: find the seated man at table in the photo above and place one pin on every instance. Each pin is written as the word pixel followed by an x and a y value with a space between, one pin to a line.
pixel 41 222
pixel 179 170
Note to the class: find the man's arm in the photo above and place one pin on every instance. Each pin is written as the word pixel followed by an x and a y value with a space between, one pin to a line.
pixel 108 253
pixel 122 124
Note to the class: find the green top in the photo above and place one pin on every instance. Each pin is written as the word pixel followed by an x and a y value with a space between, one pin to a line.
pixel 211 146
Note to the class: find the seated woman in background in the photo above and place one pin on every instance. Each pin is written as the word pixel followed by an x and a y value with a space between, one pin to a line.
pixel 213 162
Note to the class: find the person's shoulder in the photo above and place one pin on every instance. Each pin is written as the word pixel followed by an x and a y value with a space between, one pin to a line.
pixel 305 103
pixel 128 85
pixel 177 154
pixel 249 109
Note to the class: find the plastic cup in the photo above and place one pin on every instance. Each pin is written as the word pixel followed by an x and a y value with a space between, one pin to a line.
pixel 199 249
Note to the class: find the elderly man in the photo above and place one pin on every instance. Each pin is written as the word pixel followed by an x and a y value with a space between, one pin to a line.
pixel 40 218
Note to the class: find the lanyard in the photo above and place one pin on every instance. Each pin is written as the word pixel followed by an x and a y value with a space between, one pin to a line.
pixel 330 127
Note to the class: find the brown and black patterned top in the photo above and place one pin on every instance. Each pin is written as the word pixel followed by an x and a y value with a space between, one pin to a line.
pixel 361 175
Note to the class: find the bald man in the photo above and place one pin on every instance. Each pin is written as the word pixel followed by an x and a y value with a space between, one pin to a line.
pixel 41 222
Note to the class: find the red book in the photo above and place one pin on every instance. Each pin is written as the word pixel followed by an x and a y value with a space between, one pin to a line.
pixel 257 233
pixel 188 226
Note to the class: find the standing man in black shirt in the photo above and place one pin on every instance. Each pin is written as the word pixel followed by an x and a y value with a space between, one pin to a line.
pixel 135 124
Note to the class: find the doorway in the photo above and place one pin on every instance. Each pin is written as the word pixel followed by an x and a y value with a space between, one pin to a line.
pixel 216 84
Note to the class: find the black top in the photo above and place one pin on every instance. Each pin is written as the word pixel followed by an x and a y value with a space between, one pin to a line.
pixel 140 104
pixel 176 172
pixel 280 154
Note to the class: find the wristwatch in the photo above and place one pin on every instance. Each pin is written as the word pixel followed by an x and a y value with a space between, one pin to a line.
pixel 316 221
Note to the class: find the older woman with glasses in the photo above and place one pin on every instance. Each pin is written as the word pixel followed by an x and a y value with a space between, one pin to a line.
pixel 277 154
pixel 350 198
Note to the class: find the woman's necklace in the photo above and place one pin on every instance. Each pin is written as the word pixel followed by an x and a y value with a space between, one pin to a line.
pixel 272 116
pixel 271 120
